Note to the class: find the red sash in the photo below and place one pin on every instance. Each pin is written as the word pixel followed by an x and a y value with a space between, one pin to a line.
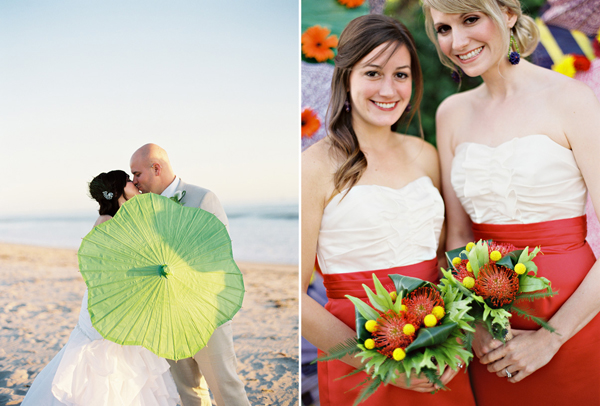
pixel 565 258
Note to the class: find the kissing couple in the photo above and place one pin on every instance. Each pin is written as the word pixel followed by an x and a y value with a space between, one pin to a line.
pixel 92 371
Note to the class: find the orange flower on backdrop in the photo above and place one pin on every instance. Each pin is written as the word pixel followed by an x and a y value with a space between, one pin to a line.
pixel 310 123
pixel 352 3
pixel 317 44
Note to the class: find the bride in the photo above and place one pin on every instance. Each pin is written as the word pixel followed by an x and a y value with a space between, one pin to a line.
pixel 370 201
pixel 92 371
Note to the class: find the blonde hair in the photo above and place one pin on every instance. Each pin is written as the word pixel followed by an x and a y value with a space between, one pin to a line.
pixel 525 31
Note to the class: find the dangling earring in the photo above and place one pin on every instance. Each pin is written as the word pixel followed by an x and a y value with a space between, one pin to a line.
pixel 347 105
pixel 456 75
pixel 513 56
pixel 408 108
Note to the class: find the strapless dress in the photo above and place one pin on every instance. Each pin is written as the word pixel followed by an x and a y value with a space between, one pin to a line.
pixel 382 230
pixel 529 191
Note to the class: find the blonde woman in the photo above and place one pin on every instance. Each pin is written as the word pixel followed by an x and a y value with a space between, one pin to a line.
pixel 370 203
pixel 519 154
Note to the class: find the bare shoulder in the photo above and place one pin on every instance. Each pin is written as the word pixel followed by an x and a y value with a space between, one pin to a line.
pixel 456 104
pixel 318 169
pixel 317 160
pixel 424 155
pixel 103 218
pixel 417 146
pixel 453 112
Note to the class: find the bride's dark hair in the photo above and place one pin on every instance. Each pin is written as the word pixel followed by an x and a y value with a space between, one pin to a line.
pixel 106 189
pixel 361 36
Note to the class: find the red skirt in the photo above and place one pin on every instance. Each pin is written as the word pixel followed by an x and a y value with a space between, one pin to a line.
pixel 572 377
pixel 338 392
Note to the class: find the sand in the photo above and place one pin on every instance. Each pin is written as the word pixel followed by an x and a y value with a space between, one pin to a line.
pixel 40 297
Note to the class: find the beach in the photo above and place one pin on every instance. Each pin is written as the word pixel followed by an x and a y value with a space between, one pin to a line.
pixel 40 297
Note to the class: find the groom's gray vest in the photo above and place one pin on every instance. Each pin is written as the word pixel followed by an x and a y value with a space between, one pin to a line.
pixel 196 196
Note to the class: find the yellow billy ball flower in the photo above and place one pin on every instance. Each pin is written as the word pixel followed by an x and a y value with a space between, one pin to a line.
pixel 371 326
pixel 438 312
pixel 402 308
pixel 520 268
pixel 398 354
pixel 469 267
pixel 468 282
pixel 369 343
pixel 430 320
pixel 393 295
pixel 456 261
pixel 470 246
pixel 408 329
pixel 495 256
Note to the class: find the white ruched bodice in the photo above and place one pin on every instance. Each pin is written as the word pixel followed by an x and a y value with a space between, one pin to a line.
pixel 525 180
pixel 377 227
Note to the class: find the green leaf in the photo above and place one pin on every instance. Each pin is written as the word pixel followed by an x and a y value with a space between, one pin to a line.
pixel 365 310
pixel 523 313
pixel 361 330
pixel 376 301
pixel 530 283
pixel 535 295
pixel 406 283
pixel 509 260
pixel 431 336
pixel 383 294
pixel 368 391
pixel 450 255
pixel 339 351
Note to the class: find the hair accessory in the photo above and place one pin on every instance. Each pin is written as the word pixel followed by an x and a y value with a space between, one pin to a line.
pixel 347 105
pixel 513 57
pixel 108 195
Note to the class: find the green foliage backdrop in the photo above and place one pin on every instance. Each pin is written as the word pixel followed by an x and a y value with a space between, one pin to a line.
pixel 438 83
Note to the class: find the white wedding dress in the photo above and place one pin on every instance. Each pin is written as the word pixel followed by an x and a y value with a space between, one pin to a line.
pixel 92 371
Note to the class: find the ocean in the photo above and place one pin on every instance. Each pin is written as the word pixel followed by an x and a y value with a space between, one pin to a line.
pixel 259 233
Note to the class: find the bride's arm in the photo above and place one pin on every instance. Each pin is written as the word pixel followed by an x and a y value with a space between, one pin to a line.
pixel 319 326
pixel 531 350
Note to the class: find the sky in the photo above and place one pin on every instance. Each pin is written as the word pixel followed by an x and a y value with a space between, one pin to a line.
pixel 83 84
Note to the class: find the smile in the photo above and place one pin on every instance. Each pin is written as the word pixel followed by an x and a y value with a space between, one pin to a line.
pixel 385 106
pixel 471 54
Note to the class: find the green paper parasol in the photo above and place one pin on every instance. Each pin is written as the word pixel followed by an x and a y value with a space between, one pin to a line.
pixel 160 275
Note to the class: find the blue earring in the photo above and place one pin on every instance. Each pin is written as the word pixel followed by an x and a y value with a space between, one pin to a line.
pixel 513 57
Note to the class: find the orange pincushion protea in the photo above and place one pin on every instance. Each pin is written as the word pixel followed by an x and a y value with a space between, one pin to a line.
pixel 462 272
pixel 502 248
pixel 310 123
pixel 352 3
pixel 421 301
pixel 390 334
pixel 316 43
pixel 497 283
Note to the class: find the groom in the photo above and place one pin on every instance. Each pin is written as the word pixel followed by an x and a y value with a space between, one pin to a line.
pixel 216 363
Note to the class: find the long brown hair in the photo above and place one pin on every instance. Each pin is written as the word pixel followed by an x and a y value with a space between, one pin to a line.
pixel 360 37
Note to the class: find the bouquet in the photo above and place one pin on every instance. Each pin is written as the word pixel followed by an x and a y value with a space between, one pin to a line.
pixel 496 276
pixel 417 329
